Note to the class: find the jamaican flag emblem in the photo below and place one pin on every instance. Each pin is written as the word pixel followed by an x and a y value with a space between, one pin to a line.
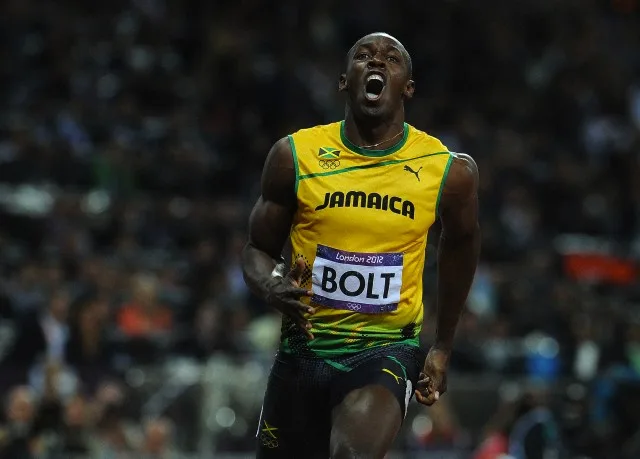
pixel 328 152
pixel 329 157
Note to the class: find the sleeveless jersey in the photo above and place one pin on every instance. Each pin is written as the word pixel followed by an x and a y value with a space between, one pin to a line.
pixel 361 226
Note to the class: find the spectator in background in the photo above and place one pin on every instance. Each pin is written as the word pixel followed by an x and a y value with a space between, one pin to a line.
pixel 89 349
pixel 578 433
pixel 17 435
pixel 157 439
pixel 25 289
pixel 535 433
pixel 210 330
pixel 107 394
pixel 523 427
pixel 143 316
pixel 585 356
pixel 113 436
pixel 630 353
pixel 114 433
pixel 445 433
pixel 43 334
pixel 124 148
pixel 76 437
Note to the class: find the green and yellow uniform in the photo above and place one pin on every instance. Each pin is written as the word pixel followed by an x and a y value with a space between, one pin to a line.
pixel 361 226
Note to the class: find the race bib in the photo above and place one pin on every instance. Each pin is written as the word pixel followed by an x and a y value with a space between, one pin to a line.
pixel 368 283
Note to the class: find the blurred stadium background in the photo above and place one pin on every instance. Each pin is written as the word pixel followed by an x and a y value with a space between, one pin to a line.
pixel 132 135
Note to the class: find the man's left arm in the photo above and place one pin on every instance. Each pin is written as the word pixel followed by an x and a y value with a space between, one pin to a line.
pixel 458 254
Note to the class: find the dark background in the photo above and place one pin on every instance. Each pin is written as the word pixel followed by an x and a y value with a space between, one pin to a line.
pixel 132 136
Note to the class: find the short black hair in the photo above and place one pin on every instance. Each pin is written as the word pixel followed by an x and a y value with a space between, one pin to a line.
pixel 403 50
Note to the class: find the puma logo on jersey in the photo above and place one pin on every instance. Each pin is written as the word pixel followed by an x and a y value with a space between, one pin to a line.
pixel 416 173
pixel 397 378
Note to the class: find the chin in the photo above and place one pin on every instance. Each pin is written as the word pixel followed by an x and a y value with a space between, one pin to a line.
pixel 374 110
pixel 364 108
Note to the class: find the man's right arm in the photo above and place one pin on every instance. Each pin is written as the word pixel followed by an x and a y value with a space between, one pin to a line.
pixel 271 218
pixel 269 228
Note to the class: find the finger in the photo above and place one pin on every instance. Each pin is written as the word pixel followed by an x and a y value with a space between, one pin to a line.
pixel 424 383
pixel 432 382
pixel 297 270
pixel 297 292
pixel 426 399
pixel 297 315
pixel 435 388
pixel 422 399
pixel 305 326
pixel 302 323
pixel 300 306
pixel 307 331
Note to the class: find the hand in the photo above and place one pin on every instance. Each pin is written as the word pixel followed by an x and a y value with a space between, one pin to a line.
pixel 433 379
pixel 284 294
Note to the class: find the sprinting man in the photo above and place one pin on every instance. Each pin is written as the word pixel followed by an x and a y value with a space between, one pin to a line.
pixel 346 195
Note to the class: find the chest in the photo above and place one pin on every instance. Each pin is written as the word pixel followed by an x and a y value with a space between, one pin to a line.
pixel 372 203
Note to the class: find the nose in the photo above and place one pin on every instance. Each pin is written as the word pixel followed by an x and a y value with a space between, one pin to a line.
pixel 376 62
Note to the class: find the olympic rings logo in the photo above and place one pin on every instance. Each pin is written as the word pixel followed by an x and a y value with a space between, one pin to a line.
pixel 329 164
pixel 268 442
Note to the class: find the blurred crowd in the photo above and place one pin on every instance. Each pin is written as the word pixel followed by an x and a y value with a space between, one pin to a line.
pixel 132 136
pixel 45 425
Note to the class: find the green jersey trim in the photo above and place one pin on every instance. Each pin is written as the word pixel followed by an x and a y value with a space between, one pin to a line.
pixel 374 153
pixel 389 162
pixel 442 183
pixel 338 366
pixel 295 162
pixel 332 352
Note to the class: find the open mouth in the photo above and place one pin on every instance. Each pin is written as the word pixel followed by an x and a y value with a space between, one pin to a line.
pixel 374 86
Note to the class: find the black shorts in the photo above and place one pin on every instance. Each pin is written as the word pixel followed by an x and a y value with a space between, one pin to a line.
pixel 302 392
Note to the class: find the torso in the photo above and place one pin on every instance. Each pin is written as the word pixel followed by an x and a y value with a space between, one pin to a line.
pixel 361 225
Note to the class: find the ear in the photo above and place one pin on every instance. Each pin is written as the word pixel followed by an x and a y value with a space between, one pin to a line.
pixel 342 83
pixel 409 89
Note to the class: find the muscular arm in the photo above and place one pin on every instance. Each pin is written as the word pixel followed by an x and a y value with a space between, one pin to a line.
pixel 271 218
pixel 459 246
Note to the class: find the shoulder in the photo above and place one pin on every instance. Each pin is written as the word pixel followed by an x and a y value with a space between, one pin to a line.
pixel 425 140
pixel 279 175
pixel 460 183
pixel 284 152
pixel 281 153
pixel 330 127
pixel 313 133
pixel 463 172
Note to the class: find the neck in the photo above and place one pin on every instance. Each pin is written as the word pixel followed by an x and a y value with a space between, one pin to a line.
pixel 363 131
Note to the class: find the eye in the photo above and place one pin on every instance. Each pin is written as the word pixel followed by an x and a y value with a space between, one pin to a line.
pixel 362 55
pixel 393 59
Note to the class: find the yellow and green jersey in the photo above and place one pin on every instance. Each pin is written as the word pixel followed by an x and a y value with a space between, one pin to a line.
pixel 361 226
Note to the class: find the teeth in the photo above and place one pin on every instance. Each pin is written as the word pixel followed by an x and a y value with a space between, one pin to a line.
pixel 375 76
